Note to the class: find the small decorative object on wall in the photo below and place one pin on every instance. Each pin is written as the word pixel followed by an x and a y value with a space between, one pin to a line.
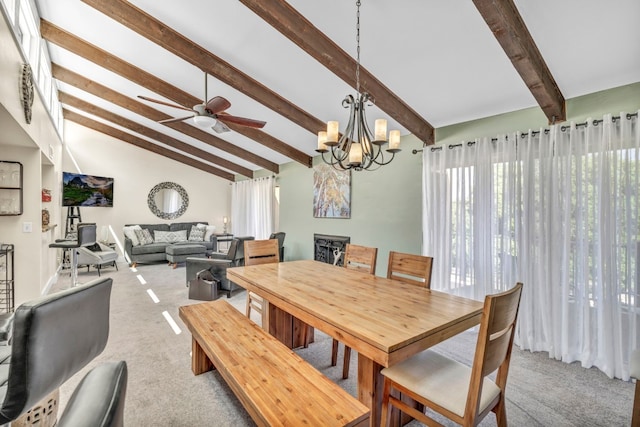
pixel 331 192
pixel 27 91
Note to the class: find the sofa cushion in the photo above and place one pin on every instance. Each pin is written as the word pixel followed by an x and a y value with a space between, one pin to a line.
pixel 197 233
pixel 130 233
pixel 153 248
pixel 185 249
pixel 144 236
pixel 170 236
pixel 153 227
pixel 210 230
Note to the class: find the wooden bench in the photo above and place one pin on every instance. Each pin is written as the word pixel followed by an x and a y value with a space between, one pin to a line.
pixel 274 384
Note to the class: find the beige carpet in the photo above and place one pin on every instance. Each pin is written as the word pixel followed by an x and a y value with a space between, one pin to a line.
pixel 162 391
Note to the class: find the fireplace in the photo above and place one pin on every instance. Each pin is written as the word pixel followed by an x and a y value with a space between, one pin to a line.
pixel 326 245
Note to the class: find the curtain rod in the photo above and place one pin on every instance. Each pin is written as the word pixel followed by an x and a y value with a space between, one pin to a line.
pixel 533 133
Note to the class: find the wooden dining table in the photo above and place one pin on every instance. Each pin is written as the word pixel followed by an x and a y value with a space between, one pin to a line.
pixel 385 321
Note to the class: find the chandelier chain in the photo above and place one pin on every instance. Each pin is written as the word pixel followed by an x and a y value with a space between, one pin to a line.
pixel 358 47
pixel 358 148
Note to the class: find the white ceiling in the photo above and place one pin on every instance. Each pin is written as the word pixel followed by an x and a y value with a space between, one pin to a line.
pixel 439 56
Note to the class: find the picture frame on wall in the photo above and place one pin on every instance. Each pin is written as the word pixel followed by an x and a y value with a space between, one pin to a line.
pixel 331 192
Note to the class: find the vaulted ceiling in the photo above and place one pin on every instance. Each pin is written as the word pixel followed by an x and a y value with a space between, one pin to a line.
pixel 428 63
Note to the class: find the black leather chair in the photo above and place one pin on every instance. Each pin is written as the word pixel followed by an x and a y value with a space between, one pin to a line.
pixel 53 338
pixel 203 273
pixel 85 236
pixel 280 235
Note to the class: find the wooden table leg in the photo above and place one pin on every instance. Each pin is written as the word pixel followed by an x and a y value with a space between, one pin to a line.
pixel 370 387
pixel 200 362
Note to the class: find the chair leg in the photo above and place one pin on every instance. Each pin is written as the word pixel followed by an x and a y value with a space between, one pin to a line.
pixel 501 413
pixel 346 362
pixel 98 270
pixel 248 309
pixel 635 419
pixel 334 353
pixel 385 414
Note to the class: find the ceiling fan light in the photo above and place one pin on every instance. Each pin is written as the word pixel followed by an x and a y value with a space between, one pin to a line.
pixel 204 121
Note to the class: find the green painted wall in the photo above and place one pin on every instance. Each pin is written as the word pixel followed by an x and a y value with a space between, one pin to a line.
pixel 385 207
pixel 594 105
pixel 386 204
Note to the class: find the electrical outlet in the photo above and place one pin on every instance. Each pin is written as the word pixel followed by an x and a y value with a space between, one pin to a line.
pixel 27 227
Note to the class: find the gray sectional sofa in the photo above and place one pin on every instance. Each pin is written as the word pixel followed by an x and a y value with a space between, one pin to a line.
pixel 156 251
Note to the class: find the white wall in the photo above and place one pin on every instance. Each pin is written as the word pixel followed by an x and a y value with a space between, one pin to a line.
pixel 26 143
pixel 136 172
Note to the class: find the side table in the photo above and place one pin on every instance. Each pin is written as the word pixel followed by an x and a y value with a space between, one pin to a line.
pixel 224 238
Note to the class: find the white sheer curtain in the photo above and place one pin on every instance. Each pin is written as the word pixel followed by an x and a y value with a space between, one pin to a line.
pixel 558 210
pixel 253 207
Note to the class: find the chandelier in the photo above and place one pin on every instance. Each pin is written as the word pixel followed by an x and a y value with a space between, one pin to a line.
pixel 358 148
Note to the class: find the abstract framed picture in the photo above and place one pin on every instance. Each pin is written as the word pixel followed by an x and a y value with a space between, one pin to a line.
pixel 331 192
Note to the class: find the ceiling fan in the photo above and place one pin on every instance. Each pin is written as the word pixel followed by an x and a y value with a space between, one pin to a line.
pixel 210 113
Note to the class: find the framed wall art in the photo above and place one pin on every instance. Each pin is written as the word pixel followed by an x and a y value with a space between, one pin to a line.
pixel 331 192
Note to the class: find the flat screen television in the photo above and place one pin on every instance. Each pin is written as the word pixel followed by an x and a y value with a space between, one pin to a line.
pixel 86 190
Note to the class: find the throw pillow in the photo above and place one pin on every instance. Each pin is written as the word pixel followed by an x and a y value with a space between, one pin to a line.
pixel 197 233
pixel 144 236
pixel 210 230
pixel 170 236
pixel 130 234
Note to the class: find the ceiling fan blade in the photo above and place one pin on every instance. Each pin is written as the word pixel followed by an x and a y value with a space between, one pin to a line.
pixel 217 104
pixel 177 119
pixel 243 121
pixel 157 101
pixel 220 127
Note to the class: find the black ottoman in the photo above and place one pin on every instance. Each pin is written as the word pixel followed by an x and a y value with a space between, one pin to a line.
pixel 180 252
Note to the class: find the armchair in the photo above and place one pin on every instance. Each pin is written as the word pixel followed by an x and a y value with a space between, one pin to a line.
pixel 87 256
pixel 280 235
pixel 217 266
pixel 53 338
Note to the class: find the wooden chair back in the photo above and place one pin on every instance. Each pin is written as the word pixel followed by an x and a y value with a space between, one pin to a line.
pixel 410 268
pixel 495 341
pixel 361 258
pixel 258 252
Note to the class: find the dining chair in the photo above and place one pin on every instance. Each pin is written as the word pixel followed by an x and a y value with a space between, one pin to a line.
pixel 461 393
pixel 410 268
pixel 258 252
pixel 360 258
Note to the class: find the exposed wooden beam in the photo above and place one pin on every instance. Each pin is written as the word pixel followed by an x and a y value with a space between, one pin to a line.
pixel 507 25
pixel 284 18
pixel 69 77
pixel 87 107
pixel 144 144
pixel 68 41
pixel 147 26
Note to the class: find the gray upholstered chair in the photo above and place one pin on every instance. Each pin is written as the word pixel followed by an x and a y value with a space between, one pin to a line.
pixel 217 267
pixel 53 338
pixel 97 256
pixel 279 236
pixel 85 236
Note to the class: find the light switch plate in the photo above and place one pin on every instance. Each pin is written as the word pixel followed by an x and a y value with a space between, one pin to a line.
pixel 27 227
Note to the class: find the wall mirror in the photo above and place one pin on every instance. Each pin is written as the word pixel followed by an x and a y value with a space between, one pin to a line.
pixel 168 200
